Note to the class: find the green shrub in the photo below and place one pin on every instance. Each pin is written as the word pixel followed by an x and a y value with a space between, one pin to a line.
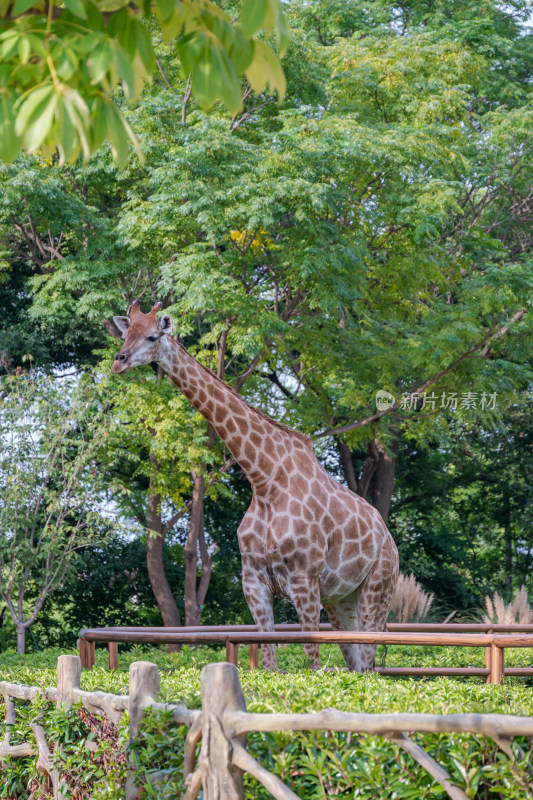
pixel 317 765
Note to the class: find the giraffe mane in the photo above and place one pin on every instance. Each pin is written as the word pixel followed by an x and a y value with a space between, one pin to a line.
pixel 301 436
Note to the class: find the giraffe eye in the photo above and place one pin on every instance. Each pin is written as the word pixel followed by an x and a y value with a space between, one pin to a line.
pixel 153 338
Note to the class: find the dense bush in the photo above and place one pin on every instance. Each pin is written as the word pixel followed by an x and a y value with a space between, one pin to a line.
pixel 316 765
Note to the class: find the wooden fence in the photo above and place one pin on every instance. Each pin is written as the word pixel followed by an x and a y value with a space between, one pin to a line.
pixel 494 641
pixel 223 723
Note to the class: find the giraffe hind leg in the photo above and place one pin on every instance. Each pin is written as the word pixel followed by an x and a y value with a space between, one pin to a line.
pixel 367 608
pixel 343 617
pixel 375 600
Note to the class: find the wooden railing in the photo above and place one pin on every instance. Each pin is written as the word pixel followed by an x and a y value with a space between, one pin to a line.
pixel 143 691
pixel 494 641
pixel 223 723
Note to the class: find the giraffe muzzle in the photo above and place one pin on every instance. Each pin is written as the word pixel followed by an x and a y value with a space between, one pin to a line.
pixel 121 363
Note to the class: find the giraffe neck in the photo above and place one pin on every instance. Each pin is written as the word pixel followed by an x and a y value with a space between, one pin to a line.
pixel 246 432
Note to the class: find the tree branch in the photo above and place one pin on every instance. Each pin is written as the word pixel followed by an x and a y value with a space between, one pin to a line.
pixel 483 347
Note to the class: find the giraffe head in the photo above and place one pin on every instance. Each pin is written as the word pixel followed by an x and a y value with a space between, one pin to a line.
pixel 142 334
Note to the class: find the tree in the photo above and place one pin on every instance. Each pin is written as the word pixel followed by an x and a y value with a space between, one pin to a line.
pixel 373 232
pixel 51 495
pixel 106 584
pixel 150 466
pixel 462 509
pixel 61 66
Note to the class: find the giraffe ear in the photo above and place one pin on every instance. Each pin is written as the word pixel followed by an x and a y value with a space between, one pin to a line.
pixel 122 323
pixel 165 324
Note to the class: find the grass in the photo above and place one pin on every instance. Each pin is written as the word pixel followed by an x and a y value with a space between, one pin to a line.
pixel 180 677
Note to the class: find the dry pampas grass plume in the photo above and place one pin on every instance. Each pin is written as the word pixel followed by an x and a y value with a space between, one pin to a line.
pixel 518 611
pixel 410 602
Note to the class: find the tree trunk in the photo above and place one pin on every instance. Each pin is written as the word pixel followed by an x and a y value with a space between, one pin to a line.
pixel 384 478
pixel 194 597
pixel 156 570
pixel 508 545
pixel 369 467
pixel 21 639
pixel 345 455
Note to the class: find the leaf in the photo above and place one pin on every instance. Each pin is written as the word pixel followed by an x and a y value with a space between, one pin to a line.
pixel 9 141
pixel 125 70
pixel 119 134
pixel 40 122
pixel 67 65
pixel 213 74
pixel 98 127
pixel 266 68
pixel 31 105
pixel 166 9
pixel 252 15
pixel 9 43
pixel 275 20
pixel 173 25
pixel 241 52
pixel 99 62
pixel 145 49
pixel 68 145
pixel 95 21
pixel 21 6
pixel 79 114
pixel 127 35
pixel 76 7
pixel 37 45
pixel 24 49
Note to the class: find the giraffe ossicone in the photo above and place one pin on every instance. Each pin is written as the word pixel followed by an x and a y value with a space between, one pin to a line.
pixel 305 536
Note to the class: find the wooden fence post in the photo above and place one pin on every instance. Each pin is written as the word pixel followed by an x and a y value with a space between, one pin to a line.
pixel 497 661
pixel 68 679
pixel 488 663
pixel 144 688
pixel 221 694
pixel 232 653
pixel 113 655
pixel 254 655
pixel 87 654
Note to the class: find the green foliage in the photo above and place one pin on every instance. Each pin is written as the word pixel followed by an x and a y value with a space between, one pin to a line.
pixel 61 66
pixel 318 765
pixel 50 435
pixel 373 232
pixel 462 512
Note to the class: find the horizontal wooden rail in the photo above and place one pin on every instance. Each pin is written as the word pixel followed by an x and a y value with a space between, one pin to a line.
pixel 427 672
pixel 161 636
pixel 368 637
pixel 494 641
pixel 498 726
pixel 404 627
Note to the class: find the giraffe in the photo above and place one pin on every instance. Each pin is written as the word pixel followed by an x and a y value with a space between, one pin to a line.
pixel 305 536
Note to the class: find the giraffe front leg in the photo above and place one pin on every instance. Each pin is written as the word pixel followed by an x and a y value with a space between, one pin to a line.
pixel 305 594
pixel 259 599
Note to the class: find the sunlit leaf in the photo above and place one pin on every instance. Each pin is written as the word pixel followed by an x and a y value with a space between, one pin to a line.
pixel 10 142
pixel 20 6
pixel 213 73
pixel 253 15
pixel 266 69
pixel 77 7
